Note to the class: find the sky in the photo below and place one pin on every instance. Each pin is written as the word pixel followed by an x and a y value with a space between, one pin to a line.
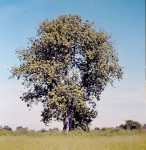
pixel 123 19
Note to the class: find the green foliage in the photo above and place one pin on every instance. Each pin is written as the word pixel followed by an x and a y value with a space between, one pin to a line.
pixel 7 128
pixel 21 130
pixel 96 129
pixel 43 130
pixel 130 124
pixel 93 133
pixel 54 130
pixel 66 67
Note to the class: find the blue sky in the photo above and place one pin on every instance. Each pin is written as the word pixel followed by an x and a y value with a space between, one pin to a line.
pixel 123 19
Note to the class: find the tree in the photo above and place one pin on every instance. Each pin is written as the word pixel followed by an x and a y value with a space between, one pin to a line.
pixel 130 124
pixel 7 128
pixel 66 67
pixel 21 129
pixel 122 126
pixel 144 126
pixel 43 130
pixel 96 129
pixel 54 130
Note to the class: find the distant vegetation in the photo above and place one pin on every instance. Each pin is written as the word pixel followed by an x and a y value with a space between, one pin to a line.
pixel 129 125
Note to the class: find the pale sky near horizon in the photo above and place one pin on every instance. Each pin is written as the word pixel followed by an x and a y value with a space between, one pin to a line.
pixel 124 19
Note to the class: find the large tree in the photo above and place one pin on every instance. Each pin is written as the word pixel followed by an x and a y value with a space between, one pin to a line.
pixel 66 67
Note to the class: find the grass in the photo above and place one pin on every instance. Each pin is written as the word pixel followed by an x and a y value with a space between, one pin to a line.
pixel 100 140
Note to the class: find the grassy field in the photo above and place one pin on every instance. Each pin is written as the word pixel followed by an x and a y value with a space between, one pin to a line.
pixel 101 140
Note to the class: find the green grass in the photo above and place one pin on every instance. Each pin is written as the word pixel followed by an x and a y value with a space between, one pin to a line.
pixel 101 140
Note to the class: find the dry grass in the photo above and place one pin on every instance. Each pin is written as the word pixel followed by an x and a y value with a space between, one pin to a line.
pixel 73 141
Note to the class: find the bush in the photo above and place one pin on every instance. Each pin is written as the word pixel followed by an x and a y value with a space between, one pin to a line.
pixel 7 128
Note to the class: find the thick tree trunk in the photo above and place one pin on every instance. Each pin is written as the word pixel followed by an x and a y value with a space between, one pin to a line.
pixel 70 117
pixel 67 124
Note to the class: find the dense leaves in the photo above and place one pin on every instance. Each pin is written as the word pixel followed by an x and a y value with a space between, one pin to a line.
pixel 130 124
pixel 66 67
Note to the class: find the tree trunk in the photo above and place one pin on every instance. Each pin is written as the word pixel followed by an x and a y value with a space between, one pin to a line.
pixel 67 124
pixel 70 117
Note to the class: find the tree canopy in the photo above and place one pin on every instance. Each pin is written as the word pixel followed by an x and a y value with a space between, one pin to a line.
pixel 130 124
pixel 66 67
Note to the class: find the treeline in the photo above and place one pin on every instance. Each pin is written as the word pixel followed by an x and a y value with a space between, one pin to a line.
pixel 26 129
pixel 129 125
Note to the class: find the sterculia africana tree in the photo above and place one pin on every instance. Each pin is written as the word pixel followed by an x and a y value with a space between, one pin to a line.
pixel 64 67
